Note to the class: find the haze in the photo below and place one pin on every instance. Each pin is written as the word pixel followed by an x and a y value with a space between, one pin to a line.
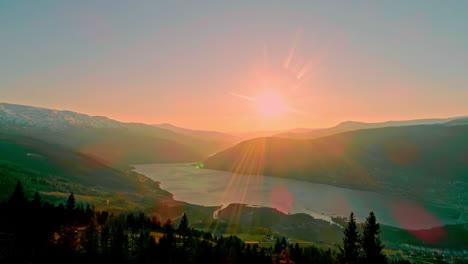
pixel 206 66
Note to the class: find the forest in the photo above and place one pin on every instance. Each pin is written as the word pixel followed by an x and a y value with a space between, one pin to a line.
pixel 36 231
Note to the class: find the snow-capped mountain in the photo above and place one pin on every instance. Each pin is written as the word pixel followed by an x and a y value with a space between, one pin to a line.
pixel 29 116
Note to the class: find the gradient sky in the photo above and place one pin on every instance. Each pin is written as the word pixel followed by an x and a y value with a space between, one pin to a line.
pixel 170 61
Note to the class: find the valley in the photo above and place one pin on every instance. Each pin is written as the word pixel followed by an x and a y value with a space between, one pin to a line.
pixel 217 188
pixel 234 132
pixel 258 189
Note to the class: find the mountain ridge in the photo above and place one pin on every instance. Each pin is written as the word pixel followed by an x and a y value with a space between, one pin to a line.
pixel 356 125
pixel 423 162
pixel 100 136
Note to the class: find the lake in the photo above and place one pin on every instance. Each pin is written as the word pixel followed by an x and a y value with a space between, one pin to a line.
pixel 218 188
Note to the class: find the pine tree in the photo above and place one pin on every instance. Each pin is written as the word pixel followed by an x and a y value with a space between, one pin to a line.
pixel 277 247
pixel 351 243
pixel 168 226
pixel 104 241
pixel 37 201
pixel 119 244
pixel 90 239
pixel 71 202
pixel 18 198
pixel 183 228
pixel 371 243
pixel 89 211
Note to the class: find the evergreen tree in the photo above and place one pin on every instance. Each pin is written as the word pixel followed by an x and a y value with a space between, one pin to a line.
pixel 90 239
pixel 296 253
pixel 89 211
pixel 284 244
pixel 350 252
pixel 119 244
pixel 371 243
pixel 37 201
pixel 168 227
pixel 71 202
pixel 183 228
pixel 104 241
pixel 18 198
pixel 277 247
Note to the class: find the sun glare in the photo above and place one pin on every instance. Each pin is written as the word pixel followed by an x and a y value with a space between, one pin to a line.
pixel 270 105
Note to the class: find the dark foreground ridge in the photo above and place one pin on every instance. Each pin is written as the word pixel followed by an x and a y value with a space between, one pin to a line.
pixel 35 231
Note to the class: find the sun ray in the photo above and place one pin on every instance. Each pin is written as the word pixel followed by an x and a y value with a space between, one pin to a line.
pixel 305 70
pixel 292 50
pixel 243 96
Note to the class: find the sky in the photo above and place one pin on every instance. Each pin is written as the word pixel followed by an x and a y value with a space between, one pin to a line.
pixel 237 65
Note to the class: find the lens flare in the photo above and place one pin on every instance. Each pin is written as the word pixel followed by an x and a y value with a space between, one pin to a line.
pixel 281 199
pixel 410 215
pixel 270 105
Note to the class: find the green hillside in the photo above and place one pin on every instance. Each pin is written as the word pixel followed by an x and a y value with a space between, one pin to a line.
pixel 55 170
pixel 428 162
pixel 116 143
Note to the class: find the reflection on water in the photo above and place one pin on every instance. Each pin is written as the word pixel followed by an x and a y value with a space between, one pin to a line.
pixel 214 188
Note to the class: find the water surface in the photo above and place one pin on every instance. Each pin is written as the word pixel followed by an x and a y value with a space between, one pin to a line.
pixel 214 188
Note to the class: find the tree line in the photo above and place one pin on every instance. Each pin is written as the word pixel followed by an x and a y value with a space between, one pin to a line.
pixel 36 231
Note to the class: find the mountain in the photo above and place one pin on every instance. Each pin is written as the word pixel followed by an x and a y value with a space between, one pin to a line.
pixel 56 171
pixel 219 140
pixel 456 122
pixel 114 142
pixel 198 133
pixel 427 162
pixel 353 125
pixel 254 134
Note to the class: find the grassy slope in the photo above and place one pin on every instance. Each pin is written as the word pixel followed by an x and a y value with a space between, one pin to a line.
pixel 56 171
pixel 114 142
pixel 115 146
pixel 364 159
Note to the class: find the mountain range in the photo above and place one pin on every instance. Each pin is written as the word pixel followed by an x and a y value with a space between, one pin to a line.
pixel 304 133
pixel 422 162
pixel 58 152
pixel 108 140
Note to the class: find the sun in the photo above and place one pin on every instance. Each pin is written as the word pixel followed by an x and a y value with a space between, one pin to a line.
pixel 270 105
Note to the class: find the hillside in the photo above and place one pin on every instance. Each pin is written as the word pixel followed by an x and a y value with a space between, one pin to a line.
pixel 111 141
pixel 56 171
pixel 354 125
pixel 424 162
pixel 205 134
pixel 218 140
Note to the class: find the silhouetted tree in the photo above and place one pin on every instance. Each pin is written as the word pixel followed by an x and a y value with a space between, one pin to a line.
pixel 119 244
pixel 371 244
pixel 296 253
pixel 350 252
pixel 183 228
pixel 71 202
pixel 18 199
pixel 168 227
pixel 37 201
pixel 76 234
pixel 277 247
pixel 102 217
pixel 90 240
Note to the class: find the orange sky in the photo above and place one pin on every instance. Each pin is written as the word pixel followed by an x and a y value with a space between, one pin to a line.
pixel 202 67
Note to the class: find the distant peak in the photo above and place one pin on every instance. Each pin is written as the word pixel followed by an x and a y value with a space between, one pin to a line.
pixel 350 122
